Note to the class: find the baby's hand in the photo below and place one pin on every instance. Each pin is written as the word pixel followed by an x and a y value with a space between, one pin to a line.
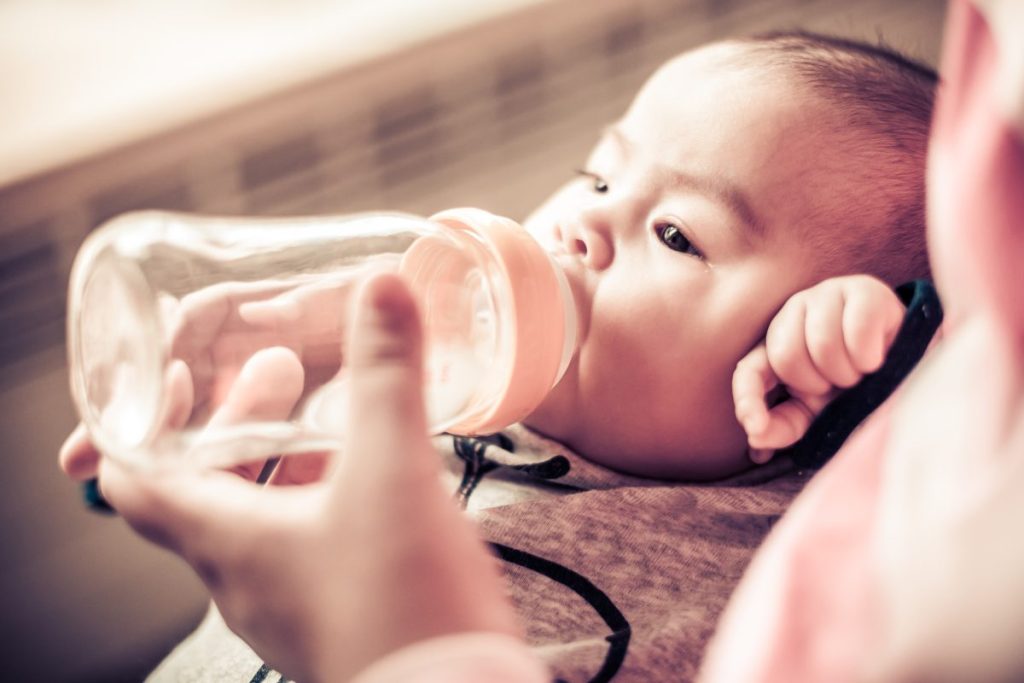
pixel 823 340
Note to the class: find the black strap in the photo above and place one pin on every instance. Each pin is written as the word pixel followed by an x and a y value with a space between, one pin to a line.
pixel 93 499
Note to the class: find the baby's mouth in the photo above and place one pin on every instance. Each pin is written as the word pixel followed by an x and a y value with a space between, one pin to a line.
pixel 551 244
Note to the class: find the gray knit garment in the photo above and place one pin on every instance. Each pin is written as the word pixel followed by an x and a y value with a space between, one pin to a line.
pixel 613 576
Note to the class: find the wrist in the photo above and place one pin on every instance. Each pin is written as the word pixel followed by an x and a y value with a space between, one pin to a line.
pixel 463 657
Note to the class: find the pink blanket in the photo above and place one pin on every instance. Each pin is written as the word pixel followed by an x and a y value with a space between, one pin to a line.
pixel 903 559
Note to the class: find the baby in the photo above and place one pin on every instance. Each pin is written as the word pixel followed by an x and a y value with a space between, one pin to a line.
pixel 731 243
pixel 743 173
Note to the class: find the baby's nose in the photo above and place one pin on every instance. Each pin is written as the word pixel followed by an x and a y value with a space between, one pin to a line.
pixel 590 244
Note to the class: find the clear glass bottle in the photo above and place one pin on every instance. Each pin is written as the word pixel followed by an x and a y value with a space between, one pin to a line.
pixel 168 311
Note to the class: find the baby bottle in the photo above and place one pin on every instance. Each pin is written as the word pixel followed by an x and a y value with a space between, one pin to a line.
pixel 168 313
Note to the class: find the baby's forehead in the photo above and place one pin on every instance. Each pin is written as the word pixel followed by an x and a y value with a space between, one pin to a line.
pixel 712 58
pixel 741 106
pixel 732 60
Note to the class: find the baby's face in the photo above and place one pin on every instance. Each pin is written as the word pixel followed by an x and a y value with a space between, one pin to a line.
pixel 678 242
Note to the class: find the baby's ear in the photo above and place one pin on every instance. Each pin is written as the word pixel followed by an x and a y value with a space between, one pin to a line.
pixel 975 175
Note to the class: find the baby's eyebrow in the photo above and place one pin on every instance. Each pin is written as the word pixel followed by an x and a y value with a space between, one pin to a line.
pixel 725 193
pixel 713 185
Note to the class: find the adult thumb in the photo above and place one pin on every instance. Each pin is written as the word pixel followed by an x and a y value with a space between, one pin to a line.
pixel 384 357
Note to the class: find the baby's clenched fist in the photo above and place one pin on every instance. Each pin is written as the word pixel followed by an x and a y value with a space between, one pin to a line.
pixel 823 340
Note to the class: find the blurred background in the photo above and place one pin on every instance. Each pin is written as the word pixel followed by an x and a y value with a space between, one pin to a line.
pixel 266 107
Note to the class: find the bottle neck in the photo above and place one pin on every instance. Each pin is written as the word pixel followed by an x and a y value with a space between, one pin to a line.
pixel 535 319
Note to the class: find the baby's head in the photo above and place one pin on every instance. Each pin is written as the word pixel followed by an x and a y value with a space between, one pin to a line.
pixel 742 173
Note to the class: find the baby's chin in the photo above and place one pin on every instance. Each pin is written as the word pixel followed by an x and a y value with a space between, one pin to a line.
pixel 648 452
pixel 618 451
pixel 544 422
pixel 559 415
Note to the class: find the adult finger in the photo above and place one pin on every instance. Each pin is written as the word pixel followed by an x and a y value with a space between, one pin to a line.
pixel 386 415
pixel 313 311
pixel 202 315
pixel 78 457
pixel 386 493
pixel 190 512
pixel 300 468
pixel 180 396
pixel 267 389
pixel 202 318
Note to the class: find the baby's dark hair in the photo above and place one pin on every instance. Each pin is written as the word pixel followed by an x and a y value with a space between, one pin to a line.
pixel 884 106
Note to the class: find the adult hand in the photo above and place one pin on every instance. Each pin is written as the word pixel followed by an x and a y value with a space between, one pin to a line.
pixel 267 388
pixel 323 579
pixel 216 330
pixel 242 351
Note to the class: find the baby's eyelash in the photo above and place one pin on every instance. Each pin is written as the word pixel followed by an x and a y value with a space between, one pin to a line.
pixel 600 184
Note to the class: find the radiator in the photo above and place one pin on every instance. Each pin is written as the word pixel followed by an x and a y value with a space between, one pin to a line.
pixel 493 115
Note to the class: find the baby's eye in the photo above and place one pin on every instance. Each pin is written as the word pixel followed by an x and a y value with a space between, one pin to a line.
pixel 600 184
pixel 674 239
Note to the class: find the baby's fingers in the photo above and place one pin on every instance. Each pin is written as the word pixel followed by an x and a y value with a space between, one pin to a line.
pixel 824 333
pixel 751 382
pixel 871 319
pixel 767 428
pixel 786 423
pixel 788 352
